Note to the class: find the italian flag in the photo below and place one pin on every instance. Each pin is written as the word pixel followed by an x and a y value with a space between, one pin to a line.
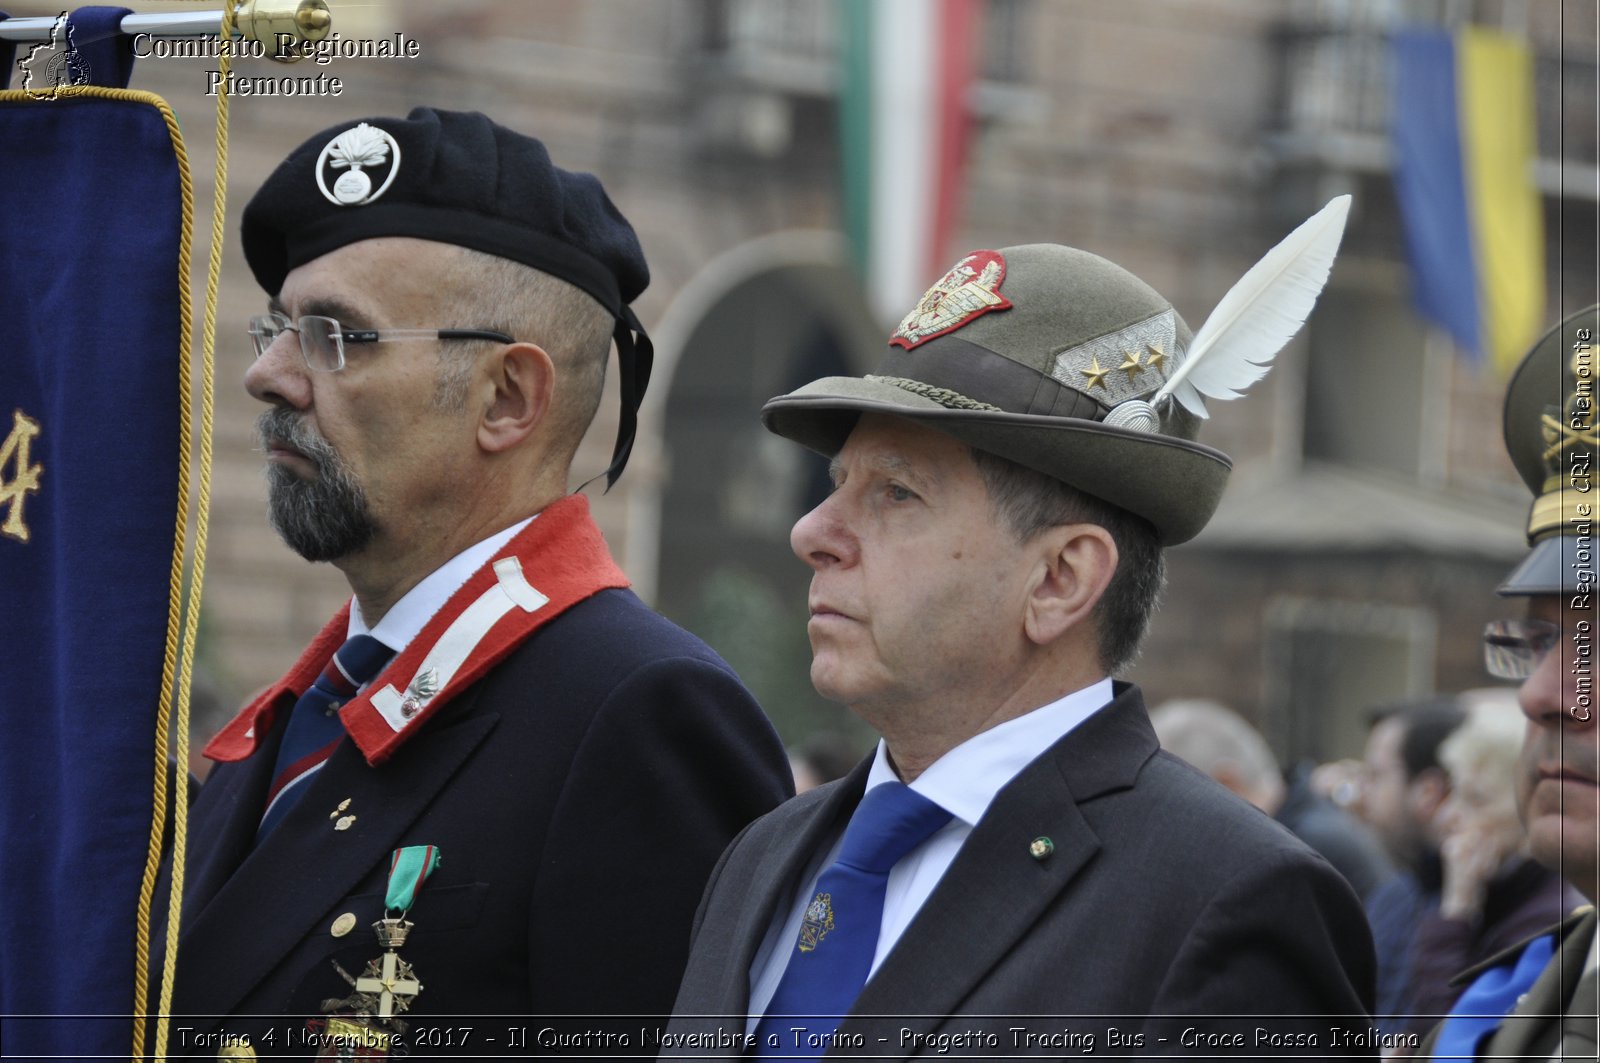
pixel 908 67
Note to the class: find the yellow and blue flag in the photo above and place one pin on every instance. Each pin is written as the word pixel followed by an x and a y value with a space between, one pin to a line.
pixel 1462 123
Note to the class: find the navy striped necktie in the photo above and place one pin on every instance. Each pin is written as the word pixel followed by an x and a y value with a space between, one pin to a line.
pixel 839 935
pixel 314 726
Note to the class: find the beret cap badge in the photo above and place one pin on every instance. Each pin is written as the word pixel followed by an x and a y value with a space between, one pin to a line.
pixel 356 151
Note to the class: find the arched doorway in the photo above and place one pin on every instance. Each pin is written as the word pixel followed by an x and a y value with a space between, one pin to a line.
pixel 756 322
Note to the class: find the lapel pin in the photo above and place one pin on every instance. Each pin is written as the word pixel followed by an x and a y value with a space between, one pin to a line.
pixel 423 687
pixel 344 823
pixel 338 811
pixel 1041 847
pixel 343 925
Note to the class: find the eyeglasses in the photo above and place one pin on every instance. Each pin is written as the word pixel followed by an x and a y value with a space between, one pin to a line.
pixel 1514 649
pixel 322 339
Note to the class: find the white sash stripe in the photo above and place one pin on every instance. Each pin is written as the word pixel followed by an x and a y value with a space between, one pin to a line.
pixel 348 678
pixel 516 585
pixel 462 637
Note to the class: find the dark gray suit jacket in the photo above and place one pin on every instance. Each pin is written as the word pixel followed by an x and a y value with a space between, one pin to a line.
pixel 1168 909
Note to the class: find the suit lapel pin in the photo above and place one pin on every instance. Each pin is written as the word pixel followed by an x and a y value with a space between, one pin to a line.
pixel 1041 847
pixel 422 688
pixel 339 811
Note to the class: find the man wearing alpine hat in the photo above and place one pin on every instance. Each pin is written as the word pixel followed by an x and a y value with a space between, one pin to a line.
pixel 1539 1000
pixel 1019 869
pixel 495 783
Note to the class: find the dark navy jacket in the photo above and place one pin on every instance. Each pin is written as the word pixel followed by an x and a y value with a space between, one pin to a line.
pixel 579 794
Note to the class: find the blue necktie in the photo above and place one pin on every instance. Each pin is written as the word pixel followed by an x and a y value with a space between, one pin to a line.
pixel 1488 1000
pixel 839 935
pixel 314 726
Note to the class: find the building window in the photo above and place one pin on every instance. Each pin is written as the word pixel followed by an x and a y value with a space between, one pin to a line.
pixel 1328 662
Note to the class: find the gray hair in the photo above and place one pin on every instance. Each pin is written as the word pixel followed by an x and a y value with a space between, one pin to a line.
pixel 532 306
pixel 1488 742
pixel 1030 502
pixel 1209 735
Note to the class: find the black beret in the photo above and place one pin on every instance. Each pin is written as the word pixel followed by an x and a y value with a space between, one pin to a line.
pixel 455 177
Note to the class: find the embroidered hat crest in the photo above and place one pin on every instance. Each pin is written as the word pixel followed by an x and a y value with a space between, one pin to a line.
pixel 970 290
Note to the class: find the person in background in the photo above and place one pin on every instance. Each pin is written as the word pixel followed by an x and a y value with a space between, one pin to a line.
pixel 1492 894
pixel 1222 744
pixel 1539 999
pixel 1401 789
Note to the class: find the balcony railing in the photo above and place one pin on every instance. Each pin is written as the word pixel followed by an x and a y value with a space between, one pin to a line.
pixel 1337 70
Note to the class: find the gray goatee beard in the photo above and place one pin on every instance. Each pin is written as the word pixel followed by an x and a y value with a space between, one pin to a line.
pixel 322 518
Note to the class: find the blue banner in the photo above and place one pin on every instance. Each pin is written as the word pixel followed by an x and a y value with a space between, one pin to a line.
pixel 91 346
pixel 1431 185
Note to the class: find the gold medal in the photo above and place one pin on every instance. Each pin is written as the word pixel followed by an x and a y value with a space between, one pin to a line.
pixel 367 1024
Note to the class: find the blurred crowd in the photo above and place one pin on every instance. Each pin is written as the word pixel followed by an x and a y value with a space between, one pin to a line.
pixel 1424 827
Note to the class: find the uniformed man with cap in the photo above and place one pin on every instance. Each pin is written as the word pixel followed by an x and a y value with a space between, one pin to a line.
pixel 495 783
pixel 1549 984
pixel 1018 869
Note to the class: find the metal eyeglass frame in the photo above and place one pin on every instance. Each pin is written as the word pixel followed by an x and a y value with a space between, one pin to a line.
pixel 264 330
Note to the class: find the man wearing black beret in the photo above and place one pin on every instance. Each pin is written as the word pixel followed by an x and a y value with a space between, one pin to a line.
pixel 496 782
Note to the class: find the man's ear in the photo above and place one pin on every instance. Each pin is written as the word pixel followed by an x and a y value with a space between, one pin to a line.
pixel 522 381
pixel 1075 565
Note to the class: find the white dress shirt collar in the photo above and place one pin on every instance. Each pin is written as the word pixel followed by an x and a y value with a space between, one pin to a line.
pixel 965 780
pixel 417 606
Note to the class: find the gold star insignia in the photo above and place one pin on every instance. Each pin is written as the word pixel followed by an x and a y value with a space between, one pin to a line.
pixel 1158 357
pixel 1130 365
pixel 1095 375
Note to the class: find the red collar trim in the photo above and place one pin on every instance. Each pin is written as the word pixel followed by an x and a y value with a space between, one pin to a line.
pixel 552 564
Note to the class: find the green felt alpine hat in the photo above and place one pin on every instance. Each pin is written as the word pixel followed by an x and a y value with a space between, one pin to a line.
pixel 1022 353
pixel 1550 435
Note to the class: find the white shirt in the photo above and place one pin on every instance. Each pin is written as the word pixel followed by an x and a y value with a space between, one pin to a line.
pixel 964 782
pixel 417 606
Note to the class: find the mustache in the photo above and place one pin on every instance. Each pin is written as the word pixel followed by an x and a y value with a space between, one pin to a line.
pixel 320 517
pixel 283 425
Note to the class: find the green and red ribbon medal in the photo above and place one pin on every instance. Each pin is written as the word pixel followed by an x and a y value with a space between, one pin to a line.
pixel 368 1020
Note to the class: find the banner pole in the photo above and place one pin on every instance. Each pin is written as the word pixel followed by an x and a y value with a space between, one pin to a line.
pixel 265 21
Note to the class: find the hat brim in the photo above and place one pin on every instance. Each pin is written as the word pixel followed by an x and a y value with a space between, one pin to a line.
pixel 1173 483
pixel 1550 569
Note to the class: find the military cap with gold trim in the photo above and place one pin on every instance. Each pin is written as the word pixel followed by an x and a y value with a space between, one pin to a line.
pixel 1551 437
pixel 1066 363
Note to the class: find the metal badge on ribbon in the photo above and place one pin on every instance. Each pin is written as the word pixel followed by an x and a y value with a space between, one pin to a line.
pixel 366 1024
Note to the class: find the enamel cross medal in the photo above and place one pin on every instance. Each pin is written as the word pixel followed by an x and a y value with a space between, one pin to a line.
pixel 367 1022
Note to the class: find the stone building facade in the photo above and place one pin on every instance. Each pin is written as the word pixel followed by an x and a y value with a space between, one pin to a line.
pixel 1372 510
